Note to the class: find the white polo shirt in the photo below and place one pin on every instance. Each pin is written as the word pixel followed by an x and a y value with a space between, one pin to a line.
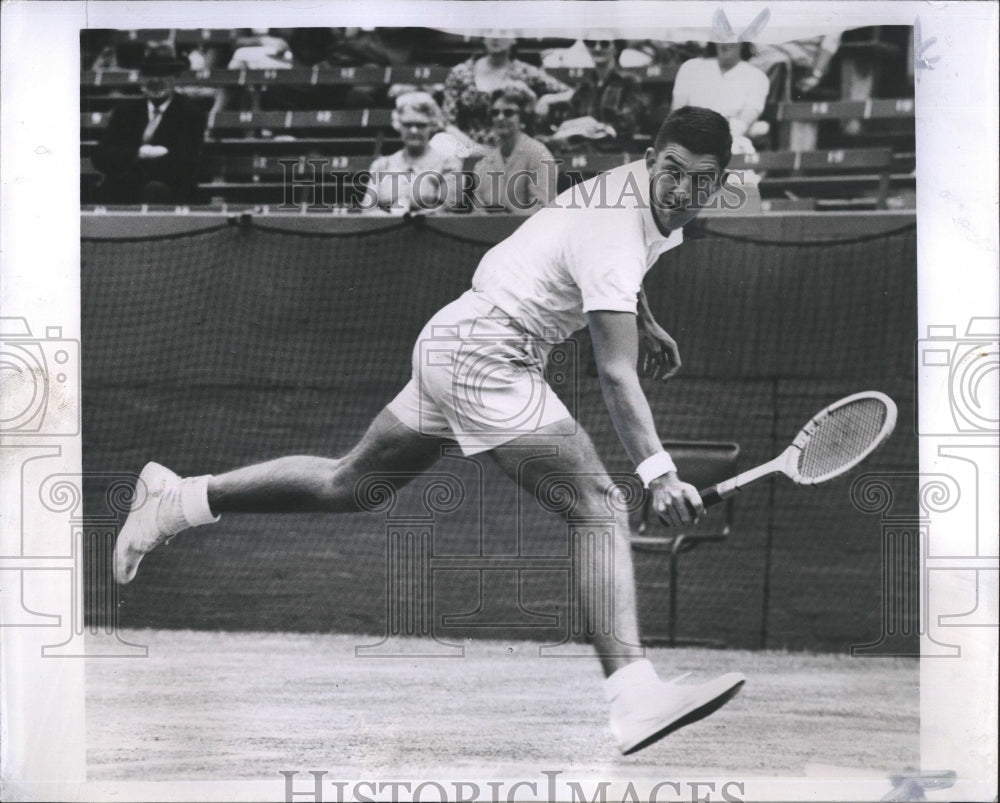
pixel 588 250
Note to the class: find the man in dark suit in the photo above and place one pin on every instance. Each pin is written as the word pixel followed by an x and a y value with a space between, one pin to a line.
pixel 151 149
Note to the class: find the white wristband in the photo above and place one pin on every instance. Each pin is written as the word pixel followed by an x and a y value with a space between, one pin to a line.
pixel 653 467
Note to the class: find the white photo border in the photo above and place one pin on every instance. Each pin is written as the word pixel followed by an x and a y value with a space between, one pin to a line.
pixel 957 190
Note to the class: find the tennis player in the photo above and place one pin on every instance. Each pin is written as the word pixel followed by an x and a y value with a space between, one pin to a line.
pixel 478 380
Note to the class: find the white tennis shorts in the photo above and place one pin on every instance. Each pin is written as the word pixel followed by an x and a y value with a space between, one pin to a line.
pixel 478 378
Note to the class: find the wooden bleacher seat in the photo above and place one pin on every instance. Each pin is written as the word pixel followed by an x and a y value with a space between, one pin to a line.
pixel 848 173
pixel 422 74
pixel 798 123
pixel 314 179
pixel 653 75
pixel 356 132
pixel 366 132
pixel 871 109
pixel 326 120
pixel 257 169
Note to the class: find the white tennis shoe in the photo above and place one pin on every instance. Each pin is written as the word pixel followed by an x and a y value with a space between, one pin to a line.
pixel 665 707
pixel 155 517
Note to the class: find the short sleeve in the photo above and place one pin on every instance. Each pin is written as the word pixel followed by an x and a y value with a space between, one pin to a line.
pixel 607 260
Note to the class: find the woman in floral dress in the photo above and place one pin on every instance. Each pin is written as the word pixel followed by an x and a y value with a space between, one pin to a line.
pixel 471 84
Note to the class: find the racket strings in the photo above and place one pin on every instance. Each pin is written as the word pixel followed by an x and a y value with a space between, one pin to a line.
pixel 842 437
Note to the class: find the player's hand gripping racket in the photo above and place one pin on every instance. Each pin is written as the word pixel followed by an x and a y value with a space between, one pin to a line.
pixel 834 441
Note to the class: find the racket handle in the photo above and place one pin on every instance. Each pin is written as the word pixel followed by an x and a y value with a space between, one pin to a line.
pixel 710 496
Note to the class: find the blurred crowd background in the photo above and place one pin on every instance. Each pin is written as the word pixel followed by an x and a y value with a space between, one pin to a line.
pixel 245 115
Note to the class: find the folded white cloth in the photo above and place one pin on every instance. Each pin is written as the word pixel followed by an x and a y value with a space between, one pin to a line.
pixel 583 127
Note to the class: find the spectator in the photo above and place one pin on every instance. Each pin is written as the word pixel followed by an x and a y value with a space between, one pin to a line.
pixel 470 85
pixel 419 176
pixel 519 174
pixel 283 49
pixel 261 51
pixel 801 64
pixel 612 96
pixel 372 47
pixel 150 151
pixel 631 53
pixel 306 48
pixel 727 83
pixel 376 47
pixel 114 55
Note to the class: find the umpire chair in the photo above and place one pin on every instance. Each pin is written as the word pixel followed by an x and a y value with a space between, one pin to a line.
pixel 701 463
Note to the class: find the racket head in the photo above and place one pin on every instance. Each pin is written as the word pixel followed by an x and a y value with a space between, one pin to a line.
pixel 840 436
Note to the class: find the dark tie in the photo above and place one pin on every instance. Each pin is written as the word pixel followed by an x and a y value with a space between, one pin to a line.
pixel 151 126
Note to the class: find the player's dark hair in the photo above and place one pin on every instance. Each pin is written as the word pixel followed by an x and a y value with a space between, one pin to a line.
pixel 699 130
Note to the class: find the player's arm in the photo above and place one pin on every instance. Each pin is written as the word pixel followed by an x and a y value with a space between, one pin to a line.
pixel 616 350
pixel 660 357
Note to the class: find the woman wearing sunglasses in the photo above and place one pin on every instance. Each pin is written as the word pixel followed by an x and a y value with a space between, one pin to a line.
pixel 518 174
pixel 470 85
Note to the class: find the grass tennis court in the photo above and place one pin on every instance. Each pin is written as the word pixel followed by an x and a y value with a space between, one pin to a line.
pixel 240 706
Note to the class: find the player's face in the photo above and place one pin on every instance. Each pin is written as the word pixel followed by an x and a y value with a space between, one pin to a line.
pixel 680 183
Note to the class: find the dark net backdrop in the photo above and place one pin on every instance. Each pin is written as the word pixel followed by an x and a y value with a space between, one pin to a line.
pixel 211 350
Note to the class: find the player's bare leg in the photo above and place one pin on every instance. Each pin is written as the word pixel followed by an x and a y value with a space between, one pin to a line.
pixel 644 709
pixel 166 504
pixel 302 483
pixel 570 454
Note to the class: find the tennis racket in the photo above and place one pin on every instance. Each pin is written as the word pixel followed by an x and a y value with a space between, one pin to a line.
pixel 834 441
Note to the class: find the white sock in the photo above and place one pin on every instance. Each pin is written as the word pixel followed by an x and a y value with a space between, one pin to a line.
pixel 185 505
pixel 194 501
pixel 638 673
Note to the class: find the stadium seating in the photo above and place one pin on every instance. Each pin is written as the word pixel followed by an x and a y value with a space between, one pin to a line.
pixel 832 154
